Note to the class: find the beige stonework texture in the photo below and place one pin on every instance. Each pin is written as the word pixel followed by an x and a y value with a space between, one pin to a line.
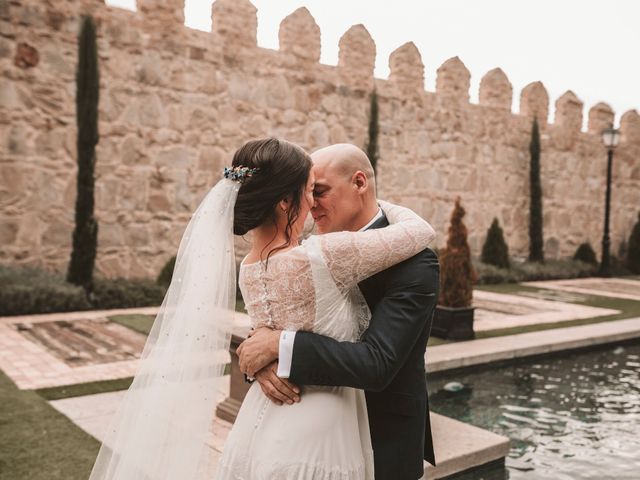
pixel 175 103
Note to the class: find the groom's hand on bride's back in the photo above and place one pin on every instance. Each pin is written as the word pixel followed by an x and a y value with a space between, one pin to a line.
pixel 277 389
pixel 258 351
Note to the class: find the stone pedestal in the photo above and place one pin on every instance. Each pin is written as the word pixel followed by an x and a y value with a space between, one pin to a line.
pixel 228 408
pixel 453 323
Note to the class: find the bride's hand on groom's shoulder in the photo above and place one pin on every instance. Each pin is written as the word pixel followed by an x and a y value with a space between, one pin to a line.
pixel 278 390
pixel 259 350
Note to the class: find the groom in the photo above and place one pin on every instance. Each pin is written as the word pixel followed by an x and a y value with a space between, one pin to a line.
pixel 388 361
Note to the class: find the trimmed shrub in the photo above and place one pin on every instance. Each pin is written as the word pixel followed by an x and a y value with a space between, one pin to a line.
pixel 456 271
pixel 495 250
pixel 32 299
pixel 532 271
pixel 633 248
pixel 164 278
pixel 371 148
pixel 25 291
pixel 586 254
pixel 121 293
pixel 536 239
pixel 85 233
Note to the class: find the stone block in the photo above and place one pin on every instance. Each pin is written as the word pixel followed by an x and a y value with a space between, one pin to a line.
pixel 534 102
pixel 453 79
pixel 496 90
pixel 235 22
pixel 630 127
pixel 169 13
pixel 407 70
pixel 569 112
pixel 300 35
pixel 601 116
pixel 8 231
pixel 356 58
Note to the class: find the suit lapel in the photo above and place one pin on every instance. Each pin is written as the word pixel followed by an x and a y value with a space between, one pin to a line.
pixel 379 223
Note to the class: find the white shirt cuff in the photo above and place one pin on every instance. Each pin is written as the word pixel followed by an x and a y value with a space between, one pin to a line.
pixel 285 353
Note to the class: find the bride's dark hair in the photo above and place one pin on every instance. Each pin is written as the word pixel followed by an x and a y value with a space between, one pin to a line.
pixel 283 172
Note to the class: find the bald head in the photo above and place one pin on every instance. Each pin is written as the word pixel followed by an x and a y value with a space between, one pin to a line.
pixel 344 159
pixel 345 190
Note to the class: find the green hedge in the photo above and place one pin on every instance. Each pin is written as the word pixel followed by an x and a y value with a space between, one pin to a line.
pixel 532 271
pixel 120 293
pixel 25 291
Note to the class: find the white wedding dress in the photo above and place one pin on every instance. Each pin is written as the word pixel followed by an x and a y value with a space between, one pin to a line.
pixel 313 287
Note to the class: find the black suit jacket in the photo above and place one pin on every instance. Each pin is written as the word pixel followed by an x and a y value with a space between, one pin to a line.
pixel 388 363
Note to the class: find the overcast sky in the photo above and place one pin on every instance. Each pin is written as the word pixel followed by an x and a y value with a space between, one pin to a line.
pixel 588 46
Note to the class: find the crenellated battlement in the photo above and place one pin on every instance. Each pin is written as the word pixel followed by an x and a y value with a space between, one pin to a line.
pixel 496 90
pixel 234 24
pixel 176 102
pixel 299 35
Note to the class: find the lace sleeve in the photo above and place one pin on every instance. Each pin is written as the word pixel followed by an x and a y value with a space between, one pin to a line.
pixel 353 256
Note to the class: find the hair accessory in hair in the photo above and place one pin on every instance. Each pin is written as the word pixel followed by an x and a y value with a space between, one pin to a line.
pixel 240 173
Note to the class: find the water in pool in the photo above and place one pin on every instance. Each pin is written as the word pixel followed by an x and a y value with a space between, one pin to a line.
pixel 569 418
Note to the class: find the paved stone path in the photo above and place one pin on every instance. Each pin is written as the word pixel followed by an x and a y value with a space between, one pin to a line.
pixel 458 446
pixel 67 348
pixel 606 287
pixel 93 414
pixel 38 351
pixel 497 310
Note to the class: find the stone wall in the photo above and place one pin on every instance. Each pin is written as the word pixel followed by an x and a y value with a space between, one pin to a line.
pixel 175 103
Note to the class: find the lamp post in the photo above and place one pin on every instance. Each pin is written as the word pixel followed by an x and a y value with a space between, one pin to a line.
pixel 610 138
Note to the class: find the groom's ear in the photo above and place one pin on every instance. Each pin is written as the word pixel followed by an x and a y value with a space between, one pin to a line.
pixel 359 179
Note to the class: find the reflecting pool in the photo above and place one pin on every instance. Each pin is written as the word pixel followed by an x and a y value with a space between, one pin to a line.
pixel 568 418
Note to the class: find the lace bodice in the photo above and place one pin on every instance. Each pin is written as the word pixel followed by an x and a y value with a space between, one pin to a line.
pixel 287 293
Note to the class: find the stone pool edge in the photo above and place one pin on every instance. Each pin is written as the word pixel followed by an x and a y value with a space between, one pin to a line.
pixel 458 355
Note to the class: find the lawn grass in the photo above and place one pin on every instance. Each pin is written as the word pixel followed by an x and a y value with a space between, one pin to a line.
pixel 433 341
pixel 39 443
pixel 89 388
pixel 136 321
pixel 143 323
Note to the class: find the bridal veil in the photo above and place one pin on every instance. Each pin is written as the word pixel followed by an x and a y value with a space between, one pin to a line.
pixel 160 429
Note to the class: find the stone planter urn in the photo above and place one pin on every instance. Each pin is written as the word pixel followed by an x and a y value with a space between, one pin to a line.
pixel 453 323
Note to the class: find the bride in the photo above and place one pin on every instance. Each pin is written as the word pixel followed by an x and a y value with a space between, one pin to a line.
pixel 161 428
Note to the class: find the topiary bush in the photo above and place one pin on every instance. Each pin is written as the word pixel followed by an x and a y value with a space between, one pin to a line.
pixel 164 278
pixel 633 248
pixel 586 254
pixel 456 270
pixel 85 232
pixel 371 148
pixel 495 250
pixel 536 238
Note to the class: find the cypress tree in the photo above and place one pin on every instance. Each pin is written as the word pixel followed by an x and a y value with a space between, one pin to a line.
pixel 633 249
pixel 372 144
pixel 536 253
pixel 586 254
pixel 495 250
pixel 85 233
pixel 456 271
